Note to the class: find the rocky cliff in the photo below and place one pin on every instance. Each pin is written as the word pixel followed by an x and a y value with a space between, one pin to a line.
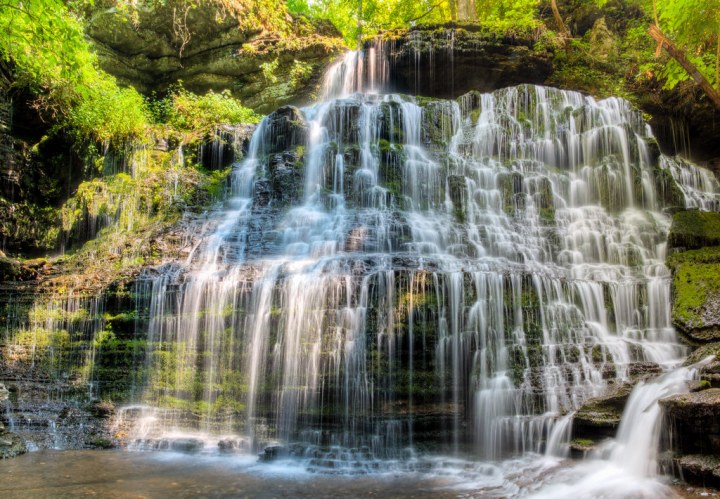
pixel 205 49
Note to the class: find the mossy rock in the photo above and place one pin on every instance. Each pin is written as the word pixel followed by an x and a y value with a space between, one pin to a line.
pixel 11 445
pixel 600 417
pixel 12 270
pixel 696 294
pixel 703 352
pixel 693 229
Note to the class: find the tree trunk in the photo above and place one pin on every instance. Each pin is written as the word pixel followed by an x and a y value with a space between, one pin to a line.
pixel 717 65
pixel 564 32
pixel 359 25
pixel 466 10
pixel 453 10
pixel 682 59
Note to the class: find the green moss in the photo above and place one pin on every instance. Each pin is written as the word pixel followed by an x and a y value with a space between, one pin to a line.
pixel 696 291
pixel 510 185
pixel 703 255
pixel 692 229
pixel 692 284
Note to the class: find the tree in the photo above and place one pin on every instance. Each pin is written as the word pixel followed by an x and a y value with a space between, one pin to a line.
pixel 690 32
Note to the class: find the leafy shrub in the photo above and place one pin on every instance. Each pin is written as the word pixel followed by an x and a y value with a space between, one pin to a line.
pixel 190 112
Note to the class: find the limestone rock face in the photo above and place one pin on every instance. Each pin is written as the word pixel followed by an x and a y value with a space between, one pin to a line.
pixel 700 469
pixel 696 419
pixel 458 59
pixel 150 55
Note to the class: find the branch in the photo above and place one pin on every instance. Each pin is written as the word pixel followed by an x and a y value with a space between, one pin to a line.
pixel 415 19
pixel 19 9
pixel 689 67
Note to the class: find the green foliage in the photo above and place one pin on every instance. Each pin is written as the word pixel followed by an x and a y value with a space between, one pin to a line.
pixel 250 15
pixel 509 16
pixel 376 15
pixel 45 44
pixel 506 17
pixel 109 112
pixel 299 73
pixel 190 112
pixel 269 69
pixel 694 26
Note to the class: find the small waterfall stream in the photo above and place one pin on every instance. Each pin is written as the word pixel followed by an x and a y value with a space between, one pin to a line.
pixel 393 274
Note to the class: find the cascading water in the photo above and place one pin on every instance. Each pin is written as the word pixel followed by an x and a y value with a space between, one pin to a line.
pixel 393 272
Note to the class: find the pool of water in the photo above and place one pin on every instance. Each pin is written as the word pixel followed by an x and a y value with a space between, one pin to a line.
pixel 127 474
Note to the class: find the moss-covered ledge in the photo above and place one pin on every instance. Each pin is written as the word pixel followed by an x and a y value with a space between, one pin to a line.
pixel 696 275
pixel 694 229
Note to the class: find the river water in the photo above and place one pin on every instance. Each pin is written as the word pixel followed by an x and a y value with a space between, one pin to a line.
pixel 122 474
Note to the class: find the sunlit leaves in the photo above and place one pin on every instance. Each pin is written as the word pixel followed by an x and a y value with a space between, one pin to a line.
pixel 695 26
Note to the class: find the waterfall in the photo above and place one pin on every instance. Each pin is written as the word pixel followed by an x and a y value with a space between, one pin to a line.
pixel 394 272
pixel 627 465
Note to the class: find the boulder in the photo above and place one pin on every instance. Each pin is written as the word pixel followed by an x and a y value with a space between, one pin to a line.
pixel 11 270
pixel 694 229
pixel 600 417
pixel 695 418
pixel 11 445
pixel 699 469
pixel 189 445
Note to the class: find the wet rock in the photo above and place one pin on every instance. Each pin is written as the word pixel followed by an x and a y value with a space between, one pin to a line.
pixel 99 442
pixel 696 281
pixel 189 445
pixel 103 409
pixel 11 270
pixel 273 453
pixel 702 352
pixel 4 392
pixel 468 58
pixel 11 445
pixel 229 446
pixel 698 385
pixel 457 188
pixel 581 447
pixel 699 469
pixel 287 174
pixel 695 418
pixel 286 130
pixel 600 417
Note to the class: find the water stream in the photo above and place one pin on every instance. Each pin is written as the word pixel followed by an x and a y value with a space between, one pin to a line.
pixel 395 277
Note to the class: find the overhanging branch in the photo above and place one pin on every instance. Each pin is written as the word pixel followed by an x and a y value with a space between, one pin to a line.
pixel 679 55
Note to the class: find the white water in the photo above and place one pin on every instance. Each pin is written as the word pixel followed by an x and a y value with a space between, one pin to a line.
pixel 486 265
